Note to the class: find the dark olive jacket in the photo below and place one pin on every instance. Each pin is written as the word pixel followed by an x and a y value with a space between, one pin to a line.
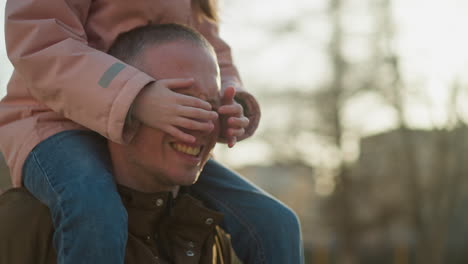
pixel 161 230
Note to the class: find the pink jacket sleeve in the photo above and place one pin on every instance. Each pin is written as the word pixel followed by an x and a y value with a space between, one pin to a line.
pixel 230 75
pixel 47 44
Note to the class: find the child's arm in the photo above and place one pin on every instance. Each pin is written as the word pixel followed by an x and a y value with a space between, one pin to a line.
pixel 47 44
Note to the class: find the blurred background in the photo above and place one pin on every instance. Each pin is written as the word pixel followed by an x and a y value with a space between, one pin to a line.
pixel 364 128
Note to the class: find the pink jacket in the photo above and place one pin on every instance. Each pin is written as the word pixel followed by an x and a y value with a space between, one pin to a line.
pixel 63 79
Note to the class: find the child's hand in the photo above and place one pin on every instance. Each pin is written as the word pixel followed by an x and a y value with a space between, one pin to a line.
pixel 233 120
pixel 157 106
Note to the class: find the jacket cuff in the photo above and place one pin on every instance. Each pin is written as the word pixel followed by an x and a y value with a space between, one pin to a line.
pixel 118 129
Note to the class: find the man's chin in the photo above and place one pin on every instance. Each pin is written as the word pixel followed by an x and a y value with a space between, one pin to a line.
pixel 185 179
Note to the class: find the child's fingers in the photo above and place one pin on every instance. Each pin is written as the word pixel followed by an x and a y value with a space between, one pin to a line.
pixel 176 83
pixel 232 142
pixel 228 95
pixel 178 134
pixel 196 113
pixel 229 109
pixel 238 122
pixel 193 124
pixel 235 132
pixel 187 100
pixel 234 109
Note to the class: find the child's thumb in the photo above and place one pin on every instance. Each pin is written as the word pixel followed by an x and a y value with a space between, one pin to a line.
pixel 229 94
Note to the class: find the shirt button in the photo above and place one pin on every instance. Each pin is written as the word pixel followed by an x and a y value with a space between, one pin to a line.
pixel 159 202
pixel 189 253
pixel 155 260
pixel 191 244
pixel 209 221
pixel 148 238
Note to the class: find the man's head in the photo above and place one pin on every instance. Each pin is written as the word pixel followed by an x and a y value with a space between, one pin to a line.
pixel 154 160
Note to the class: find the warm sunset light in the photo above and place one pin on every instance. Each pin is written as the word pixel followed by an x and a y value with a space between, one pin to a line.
pixel 364 122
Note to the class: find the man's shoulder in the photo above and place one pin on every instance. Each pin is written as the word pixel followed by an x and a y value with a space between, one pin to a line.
pixel 25 228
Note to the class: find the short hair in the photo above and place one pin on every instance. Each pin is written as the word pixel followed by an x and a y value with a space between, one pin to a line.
pixel 128 46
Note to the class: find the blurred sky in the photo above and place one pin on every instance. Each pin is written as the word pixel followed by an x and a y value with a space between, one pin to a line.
pixel 432 42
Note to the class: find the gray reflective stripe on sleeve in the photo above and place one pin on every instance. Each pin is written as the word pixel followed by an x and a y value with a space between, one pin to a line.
pixel 110 74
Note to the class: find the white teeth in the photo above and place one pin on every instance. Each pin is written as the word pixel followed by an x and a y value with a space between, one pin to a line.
pixel 194 151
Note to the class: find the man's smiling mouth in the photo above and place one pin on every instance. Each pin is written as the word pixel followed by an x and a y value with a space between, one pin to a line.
pixel 187 149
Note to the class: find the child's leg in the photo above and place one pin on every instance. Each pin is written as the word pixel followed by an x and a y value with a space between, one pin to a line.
pixel 263 230
pixel 70 173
